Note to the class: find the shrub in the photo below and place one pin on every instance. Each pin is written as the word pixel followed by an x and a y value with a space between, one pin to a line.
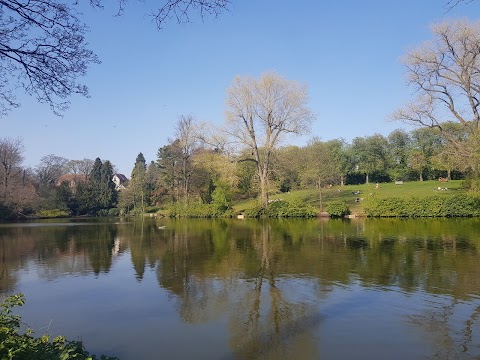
pixel 14 345
pixel 337 209
pixel 113 212
pixel 193 210
pixel 255 212
pixel 294 208
pixel 108 212
pixel 221 201
pixel 52 213
pixel 462 205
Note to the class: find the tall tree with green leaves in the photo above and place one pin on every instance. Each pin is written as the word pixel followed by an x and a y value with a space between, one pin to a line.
pixel 152 176
pixel 399 145
pixel 169 159
pixel 99 191
pixel 108 193
pixel 138 182
pixel 370 154
pixel 342 159
pixel 425 144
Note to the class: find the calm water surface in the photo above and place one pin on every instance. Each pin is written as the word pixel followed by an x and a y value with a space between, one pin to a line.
pixel 296 289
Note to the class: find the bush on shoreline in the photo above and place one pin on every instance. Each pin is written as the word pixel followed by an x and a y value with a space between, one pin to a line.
pixel 53 213
pixel 337 209
pixel 283 209
pixel 462 205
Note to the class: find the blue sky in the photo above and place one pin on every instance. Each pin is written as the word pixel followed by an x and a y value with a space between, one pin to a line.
pixel 347 52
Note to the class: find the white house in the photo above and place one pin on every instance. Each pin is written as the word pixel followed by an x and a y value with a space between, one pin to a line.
pixel 120 181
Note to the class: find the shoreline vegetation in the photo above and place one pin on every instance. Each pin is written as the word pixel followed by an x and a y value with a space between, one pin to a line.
pixel 393 199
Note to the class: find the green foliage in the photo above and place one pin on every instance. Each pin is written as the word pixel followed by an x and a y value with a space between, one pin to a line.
pixel 293 208
pixel 337 209
pixel 254 212
pixel 221 200
pixel 461 205
pixel 65 197
pixel 99 192
pixel 137 185
pixel 108 212
pixel 113 212
pixel 52 213
pixel 191 210
pixel 14 345
pixel 472 185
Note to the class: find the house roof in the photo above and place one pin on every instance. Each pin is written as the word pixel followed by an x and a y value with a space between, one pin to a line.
pixel 71 178
pixel 121 177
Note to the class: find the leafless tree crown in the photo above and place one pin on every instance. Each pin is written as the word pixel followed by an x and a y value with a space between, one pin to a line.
pixel 445 73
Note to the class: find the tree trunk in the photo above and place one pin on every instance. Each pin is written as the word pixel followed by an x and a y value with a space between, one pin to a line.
pixel 421 176
pixel 185 179
pixel 263 191
pixel 342 180
pixel 366 179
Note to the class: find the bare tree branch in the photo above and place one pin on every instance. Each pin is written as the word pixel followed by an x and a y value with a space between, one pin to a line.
pixel 181 10
pixel 42 51
pixel 452 3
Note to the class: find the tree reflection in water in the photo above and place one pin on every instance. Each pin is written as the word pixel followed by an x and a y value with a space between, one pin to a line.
pixel 449 330
pixel 274 283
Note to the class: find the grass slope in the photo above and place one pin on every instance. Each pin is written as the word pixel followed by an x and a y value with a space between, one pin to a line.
pixel 348 194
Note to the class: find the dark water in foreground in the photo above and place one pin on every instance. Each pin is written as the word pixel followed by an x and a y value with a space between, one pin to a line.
pixel 297 289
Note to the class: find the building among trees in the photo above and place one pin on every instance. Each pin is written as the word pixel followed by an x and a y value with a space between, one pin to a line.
pixel 120 181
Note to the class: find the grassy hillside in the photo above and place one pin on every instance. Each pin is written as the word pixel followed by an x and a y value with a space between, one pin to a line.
pixel 348 193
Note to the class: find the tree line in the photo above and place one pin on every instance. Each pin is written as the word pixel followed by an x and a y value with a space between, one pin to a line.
pixel 189 170
pixel 199 173
pixel 70 187
pixel 206 165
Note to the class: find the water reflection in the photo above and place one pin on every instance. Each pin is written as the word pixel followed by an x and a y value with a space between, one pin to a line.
pixel 278 284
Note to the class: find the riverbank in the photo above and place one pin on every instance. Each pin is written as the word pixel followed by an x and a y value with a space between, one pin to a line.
pixel 395 198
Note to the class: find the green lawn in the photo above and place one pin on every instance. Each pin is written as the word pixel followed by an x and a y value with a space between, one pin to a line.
pixel 347 193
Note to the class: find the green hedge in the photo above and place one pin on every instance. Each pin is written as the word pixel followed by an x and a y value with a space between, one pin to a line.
pixel 196 210
pixel 337 209
pixel 462 205
pixel 283 209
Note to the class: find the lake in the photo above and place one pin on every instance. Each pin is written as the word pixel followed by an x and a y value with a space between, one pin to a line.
pixel 251 289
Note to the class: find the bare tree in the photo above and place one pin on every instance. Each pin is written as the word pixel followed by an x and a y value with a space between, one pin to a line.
pixel 11 157
pixel 260 112
pixel 49 170
pixel 186 136
pixel 80 169
pixel 445 73
pixel 85 167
